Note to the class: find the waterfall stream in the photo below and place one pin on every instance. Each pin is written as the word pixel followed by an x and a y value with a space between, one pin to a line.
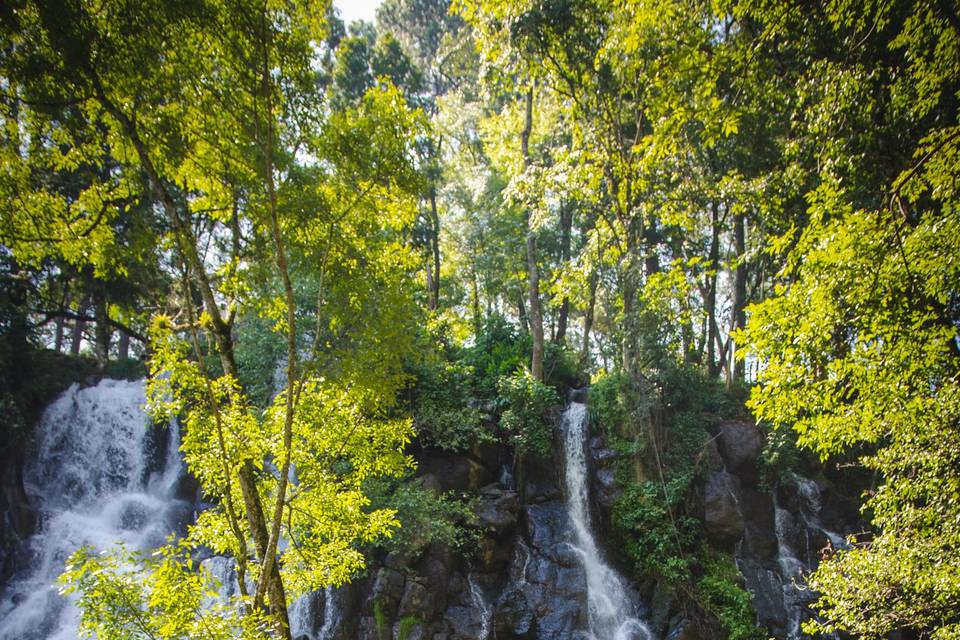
pixel 611 615
pixel 97 479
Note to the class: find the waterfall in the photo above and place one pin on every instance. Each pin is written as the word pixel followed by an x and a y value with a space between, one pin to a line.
pixel 479 601
pixel 610 613
pixel 96 479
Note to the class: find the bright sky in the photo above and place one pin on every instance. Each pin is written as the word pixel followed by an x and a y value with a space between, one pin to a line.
pixel 351 10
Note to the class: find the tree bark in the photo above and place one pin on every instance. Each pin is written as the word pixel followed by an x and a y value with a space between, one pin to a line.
pixel 533 272
pixel 738 316
pixel 79 326
pixel 103 330
pixel 435 245
pixel 566 222
pixel 123 346
pixel 710 299
pixel 588 318
pixel 61 321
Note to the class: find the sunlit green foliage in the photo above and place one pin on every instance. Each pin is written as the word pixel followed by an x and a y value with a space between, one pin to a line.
pixel 526 418
pixel 133 596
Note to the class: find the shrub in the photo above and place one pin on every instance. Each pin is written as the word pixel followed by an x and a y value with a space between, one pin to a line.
pixel 720 592
pixel 425 518
pixel 444 408
pixel 525 419
pixel 500 350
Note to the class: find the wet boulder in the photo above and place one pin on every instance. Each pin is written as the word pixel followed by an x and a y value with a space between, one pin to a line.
pixel 740 444
pixel 512 615
pixel 723 516
pixel 497 509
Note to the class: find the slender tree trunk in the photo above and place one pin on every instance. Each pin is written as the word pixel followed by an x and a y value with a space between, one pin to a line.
pixel 738 317
pixel 566 223
pixel 123 346
pixel 61 321
pixel 533 271
pixel 475 295
pixel 103 331
pixel 431 302
pixel 629 288
pixel 79 326
pixel 710 300
pixel 522 312
pixel 435 245
pixel 651 241
pixel 588 318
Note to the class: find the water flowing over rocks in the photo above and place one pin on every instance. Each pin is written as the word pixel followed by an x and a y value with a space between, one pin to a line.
pixel 101 475
pixel 539 571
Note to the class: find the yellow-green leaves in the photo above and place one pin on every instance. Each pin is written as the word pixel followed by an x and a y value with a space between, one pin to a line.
pixel 126 595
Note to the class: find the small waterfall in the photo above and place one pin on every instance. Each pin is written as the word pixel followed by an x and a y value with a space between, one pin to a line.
pixel 610 613
pixel 331 614
pixel 480 602
pixel 97 479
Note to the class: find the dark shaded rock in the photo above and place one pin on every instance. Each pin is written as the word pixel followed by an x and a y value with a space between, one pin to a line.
pixel 512 615
pixel 387 591
pixel 465 623
pixel 608 489
pixel 488 454
pixel 759 539
pixel 558 620
pixel 683 629
pixel 497 509
pixel 419 600
pixel 367 630
pixel 600 453
pixel 579 395
pixel 766 587
pixel 494 555
pixel 453 472
pixel 540 481
pixel 546 525
pixel 741 444
pixel 711 458
pixel 571 582
pixel 723 518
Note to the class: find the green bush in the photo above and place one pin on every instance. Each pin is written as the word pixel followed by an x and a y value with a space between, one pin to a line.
pixel 654 533
pixel 425 518
pixel 525 419
pixel 720 592
pixel 500 350
pixel 444 407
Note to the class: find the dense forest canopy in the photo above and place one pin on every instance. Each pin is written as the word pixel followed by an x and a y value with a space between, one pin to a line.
pixel 326 242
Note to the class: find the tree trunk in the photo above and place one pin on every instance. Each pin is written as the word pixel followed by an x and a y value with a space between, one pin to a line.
pixel 435 245
pixel 475 294
pixel 431 303
pixel 220 329
pixel 629 289
pixel 566 222
pixel 522 313
pixel 588 318
pixel 710 299
pixel 79 326
pixel 533 272
pixel 738 317
pixel 103 331
pixel 123 346
pixel 61 322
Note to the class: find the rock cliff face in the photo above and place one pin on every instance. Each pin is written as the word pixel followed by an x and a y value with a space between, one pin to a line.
pixel 524 579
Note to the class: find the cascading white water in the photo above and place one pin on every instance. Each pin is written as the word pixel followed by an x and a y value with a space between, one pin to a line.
pixel 611 615
pixel 480 602
pixel 93 484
